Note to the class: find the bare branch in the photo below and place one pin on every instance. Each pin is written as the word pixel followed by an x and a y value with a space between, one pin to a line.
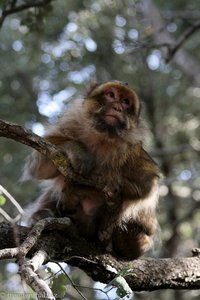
pixel 183 38
pixel 37 260
pixel 10 197
pixel 34 281
pixel 8 218
pixel 28 269
pixel 33 236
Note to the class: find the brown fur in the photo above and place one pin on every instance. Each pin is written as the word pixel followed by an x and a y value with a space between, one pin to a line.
pixel 124 211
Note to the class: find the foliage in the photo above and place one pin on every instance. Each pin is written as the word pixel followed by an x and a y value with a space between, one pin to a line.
pixel 123 289
pixel 50 54
pixel 2 200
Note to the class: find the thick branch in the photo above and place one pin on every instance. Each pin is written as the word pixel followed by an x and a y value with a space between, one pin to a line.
pixel 27 137
pixel 148 273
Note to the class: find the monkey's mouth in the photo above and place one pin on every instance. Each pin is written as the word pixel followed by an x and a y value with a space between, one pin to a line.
pixel 110 124
pixel 111 119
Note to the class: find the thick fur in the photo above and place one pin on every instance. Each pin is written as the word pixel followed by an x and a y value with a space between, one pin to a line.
pixel 126 218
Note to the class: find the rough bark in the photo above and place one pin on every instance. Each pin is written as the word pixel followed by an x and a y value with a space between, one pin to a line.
pixel 148 273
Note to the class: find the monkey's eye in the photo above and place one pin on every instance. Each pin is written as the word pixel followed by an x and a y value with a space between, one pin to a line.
pixel 125 101
pixel 110 94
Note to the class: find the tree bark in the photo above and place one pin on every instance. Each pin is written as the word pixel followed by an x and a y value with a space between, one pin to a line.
pixel 148 274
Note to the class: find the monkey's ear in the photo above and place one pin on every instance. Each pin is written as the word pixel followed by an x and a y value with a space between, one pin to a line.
pixel 91 87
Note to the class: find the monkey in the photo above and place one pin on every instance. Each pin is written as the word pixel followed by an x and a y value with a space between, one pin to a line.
pixel 102 135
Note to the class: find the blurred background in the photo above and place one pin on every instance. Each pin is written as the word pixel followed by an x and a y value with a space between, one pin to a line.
pixel 49 55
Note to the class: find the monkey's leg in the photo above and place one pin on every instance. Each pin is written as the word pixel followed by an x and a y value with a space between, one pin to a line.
pixel 109 220
pixel 111 212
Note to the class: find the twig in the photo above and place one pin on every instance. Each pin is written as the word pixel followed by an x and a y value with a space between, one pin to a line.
pixel 28 269
pixel 10 197
pixel 34 235
pixel 8 218
pixel 71 281
pixel 37 284
pixel 38 259
pixel 14 9
pixel 188 32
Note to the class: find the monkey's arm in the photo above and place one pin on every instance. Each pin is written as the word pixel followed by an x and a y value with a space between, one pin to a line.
pixel 139 174
pixel 139 195
pixel 38 165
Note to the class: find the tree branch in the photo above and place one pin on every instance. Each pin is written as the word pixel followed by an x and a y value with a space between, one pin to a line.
pixel 27 137
pixel 14 9
pixel 148 273
pixel 183 38
pixel 28 273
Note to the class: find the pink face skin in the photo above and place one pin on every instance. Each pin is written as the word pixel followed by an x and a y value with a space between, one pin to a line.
pixel 117 104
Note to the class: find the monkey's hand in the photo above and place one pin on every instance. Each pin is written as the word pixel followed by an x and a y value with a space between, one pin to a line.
pixel 82 160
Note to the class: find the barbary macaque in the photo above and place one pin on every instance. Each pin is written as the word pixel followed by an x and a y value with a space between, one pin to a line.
pixel 102 135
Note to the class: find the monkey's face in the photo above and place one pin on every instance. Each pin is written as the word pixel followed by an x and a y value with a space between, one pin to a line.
pixel 113 107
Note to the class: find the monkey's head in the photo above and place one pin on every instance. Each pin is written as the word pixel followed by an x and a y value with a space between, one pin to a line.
pixel 113 108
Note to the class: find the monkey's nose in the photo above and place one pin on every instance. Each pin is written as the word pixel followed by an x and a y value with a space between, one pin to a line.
pixel 117 107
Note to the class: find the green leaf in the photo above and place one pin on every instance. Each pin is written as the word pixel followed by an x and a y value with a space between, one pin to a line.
pixel 120 282
pixel 59 285
pixel 122 286
pixel 127 271
pixel 2 200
